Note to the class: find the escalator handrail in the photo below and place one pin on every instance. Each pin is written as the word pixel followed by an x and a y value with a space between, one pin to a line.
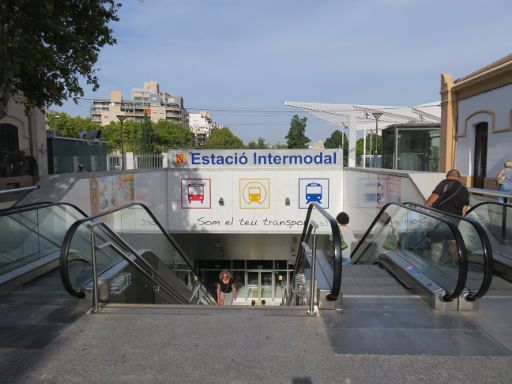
pixel 66 244
pixel 64 261
pixel 36 206
pixel 25 205
pixel 474 207
pixel 298 258
pixel 461 248
pixel 486 247
pixel 336 239
pixel 19 190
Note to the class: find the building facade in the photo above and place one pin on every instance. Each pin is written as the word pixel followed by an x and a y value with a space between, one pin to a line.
pixel 22 146
pixel 202 126
pixel 159 105
pixel 476 124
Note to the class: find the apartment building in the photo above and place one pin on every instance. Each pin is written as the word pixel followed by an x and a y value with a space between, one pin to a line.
pixel 202 126
pixel 159 105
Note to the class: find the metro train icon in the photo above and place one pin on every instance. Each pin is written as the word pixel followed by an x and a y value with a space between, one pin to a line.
pixel 313 193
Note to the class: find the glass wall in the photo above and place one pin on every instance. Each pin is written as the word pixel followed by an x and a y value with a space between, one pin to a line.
pixel 411 147
pixel 66 154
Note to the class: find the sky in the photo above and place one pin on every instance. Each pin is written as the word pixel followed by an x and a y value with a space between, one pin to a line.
pixel 243 59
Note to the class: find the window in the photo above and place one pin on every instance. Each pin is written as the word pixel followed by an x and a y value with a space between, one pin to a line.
pixel 9 138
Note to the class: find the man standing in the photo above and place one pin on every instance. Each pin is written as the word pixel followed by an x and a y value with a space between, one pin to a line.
pixel 450 195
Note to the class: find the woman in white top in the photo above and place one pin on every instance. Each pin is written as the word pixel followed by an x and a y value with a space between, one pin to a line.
pixel 504 180
pixel 347 236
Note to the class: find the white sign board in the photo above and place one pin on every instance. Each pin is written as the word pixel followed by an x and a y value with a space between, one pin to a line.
pixel 251 198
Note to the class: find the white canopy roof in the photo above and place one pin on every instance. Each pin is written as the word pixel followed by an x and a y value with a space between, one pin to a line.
pixel 359 117
pixel 356 118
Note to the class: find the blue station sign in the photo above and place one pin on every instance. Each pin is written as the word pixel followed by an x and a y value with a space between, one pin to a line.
pixel 299 158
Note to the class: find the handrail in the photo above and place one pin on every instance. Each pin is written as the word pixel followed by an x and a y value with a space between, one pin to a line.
pixel 26 205
pixel 336 238
pixel 298 258
pixel 486 244
pixel 165 287
pixel 489 192
pixel 40 205
pixel 461 248
pixel 471 209
pixel 66 244
pixel 504 208
pixel 18 190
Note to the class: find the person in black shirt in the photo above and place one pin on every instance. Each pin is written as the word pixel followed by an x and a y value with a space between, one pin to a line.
pixel 226 289
pixel 450 195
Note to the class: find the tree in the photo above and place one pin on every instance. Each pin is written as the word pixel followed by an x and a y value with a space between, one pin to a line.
pixel 373 138
pixel 147 144
pixel 47 47
pixel 224 139
pixel 258 144
pixel 111 133
pixel 334 141
pixel 67 126
pixel 171 135
pixel 296 137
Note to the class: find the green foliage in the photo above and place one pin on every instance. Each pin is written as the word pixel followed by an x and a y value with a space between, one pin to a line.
pixel 147 144
pixel 68 126
pixel 360 144
pixel 224 139
pixel 145 137
pixel 171 135
pixel 48 47
pixel 296 137
pixel 334 141
pixel 258 144
pixel 111 133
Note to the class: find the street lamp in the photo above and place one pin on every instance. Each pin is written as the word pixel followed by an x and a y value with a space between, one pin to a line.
pixel 377 116
pixel 121 118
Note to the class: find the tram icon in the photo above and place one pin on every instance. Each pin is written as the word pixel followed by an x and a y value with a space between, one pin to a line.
pixel 314 193
pixel 255 195
pixel 195 192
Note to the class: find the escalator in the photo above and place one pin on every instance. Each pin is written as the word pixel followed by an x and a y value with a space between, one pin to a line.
pixel 317 276
pixel 442 259
pixel 30 239
pixel 446 260
pixel 496 219
pixel 125 256
pixel 136 261
pixel 478 249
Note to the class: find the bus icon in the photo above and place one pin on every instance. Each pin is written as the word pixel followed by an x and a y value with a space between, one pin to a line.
pixel 195 192
pixel 255 195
